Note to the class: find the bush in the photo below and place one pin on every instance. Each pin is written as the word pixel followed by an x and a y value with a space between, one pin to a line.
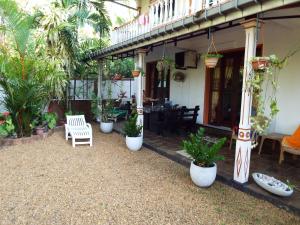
pixel 50 119
pixel 203 153
pixel 6 126
pixel 131 129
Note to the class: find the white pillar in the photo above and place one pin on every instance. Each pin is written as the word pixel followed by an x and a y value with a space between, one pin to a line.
pixel 139 89
pixel 243 144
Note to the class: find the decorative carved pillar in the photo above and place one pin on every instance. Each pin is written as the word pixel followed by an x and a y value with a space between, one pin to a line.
pixel 243 144
pixel 139 90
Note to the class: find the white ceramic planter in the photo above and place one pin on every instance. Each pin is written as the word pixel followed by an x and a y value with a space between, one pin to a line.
pixel 106 127
pixel 203 176
pixel 134 143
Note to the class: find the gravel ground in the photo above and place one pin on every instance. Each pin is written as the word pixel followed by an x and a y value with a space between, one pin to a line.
pixel 49 182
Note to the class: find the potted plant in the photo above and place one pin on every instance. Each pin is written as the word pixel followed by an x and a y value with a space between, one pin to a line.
pixel 106 124
pixel 50 118
pixel 263 83
pixel 136 72
pixel 39 130
pixel 117 76
pixel 7 127
pixel 95 106
pixel 211 60
pixel 134 140
pixel 203 169
pixel 260 63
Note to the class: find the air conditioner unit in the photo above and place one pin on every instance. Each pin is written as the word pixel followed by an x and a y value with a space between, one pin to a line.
pixel 186 59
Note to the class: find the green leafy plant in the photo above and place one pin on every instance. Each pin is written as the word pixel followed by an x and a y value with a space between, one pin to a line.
pixel 131 129
pixel 261 81
pixel 290 185
pixel 107 106
pixel 7 127
pixel 203 153
pixel 213 55
pixel 95 105
pixel 50 119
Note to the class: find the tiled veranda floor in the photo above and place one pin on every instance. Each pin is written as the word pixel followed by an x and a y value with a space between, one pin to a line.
pixel 266 163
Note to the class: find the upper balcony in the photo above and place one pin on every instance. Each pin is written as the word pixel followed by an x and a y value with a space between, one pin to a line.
pixel 161 12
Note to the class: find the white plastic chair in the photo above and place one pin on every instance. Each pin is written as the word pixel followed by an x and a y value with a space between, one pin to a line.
pixel 77 128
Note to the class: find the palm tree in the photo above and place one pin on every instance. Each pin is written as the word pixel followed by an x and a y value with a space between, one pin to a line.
pixel 61 25
pixel 28 76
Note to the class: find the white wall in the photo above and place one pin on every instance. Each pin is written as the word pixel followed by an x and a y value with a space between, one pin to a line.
pixel 278 37
pixel 281 38
pixel 118 86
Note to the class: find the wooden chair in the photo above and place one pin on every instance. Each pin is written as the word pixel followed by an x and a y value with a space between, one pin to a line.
pixel 77 128
pixel 290 144
pixel 188 117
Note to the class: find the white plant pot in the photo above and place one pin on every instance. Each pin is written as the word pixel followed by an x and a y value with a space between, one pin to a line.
pixel 203 176
pixel 106 127
pixel 134 143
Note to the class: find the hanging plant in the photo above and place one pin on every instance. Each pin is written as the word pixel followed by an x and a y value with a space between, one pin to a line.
pixel 264 85
pixel 137 71
pixel 211 58
pixel 260 63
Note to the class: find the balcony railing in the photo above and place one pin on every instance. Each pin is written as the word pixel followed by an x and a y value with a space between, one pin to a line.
pixel 160 13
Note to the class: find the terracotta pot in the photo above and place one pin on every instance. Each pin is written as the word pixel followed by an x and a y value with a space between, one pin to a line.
pixel 117 77
pixel 211 62
pixel 135 73
pixel 39 130
pixel 260 64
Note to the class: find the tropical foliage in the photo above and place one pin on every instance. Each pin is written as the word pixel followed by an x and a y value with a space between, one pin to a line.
pixel 41 52
pixel 121 66
pixel 204 153
pixel 7 127
pixel 264 86
pixel 131 129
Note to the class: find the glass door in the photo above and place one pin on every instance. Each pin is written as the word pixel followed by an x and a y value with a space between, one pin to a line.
pixel 226 90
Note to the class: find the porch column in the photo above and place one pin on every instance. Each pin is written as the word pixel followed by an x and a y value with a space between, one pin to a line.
pixel 139 89
pixel 243 144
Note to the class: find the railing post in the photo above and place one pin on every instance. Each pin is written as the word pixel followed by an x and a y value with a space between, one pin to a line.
pixel 166 11
pixel 243 143
pixel 171 10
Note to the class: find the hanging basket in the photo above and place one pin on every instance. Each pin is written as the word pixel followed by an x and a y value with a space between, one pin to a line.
pixel 135 73
pixel 211 62
pixel 260 63
pixel 212 58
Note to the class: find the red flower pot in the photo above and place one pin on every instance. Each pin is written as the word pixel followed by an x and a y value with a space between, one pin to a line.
pixel 135 73
pixel 260 63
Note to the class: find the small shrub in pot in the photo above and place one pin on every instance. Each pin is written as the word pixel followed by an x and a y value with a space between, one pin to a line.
pixel 134 140
pixel 203 168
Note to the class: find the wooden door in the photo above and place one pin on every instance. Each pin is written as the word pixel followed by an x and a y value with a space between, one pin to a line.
pixel 226 90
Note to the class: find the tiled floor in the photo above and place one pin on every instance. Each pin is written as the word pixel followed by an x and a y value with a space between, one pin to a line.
pixel 266 163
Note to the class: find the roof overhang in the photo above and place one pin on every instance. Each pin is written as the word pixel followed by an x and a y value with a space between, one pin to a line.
pixel 225 13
